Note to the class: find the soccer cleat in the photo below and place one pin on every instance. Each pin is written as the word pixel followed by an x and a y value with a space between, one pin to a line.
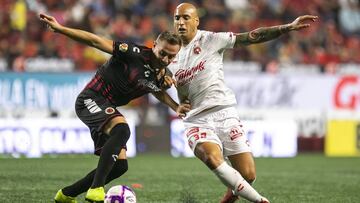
pixel 229 197
pixel 95 195
pixel 61 198
pixel 263 200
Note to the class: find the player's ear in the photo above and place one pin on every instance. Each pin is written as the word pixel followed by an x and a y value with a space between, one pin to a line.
pixel 197 21
pixel 155 43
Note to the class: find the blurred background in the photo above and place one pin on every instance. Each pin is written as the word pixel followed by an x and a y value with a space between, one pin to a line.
pixel 299 93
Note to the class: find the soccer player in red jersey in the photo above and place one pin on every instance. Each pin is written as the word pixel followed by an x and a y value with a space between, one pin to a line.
pixel 132 71
pixel 213 127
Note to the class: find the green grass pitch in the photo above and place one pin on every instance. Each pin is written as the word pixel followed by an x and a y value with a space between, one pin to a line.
pixel 306 178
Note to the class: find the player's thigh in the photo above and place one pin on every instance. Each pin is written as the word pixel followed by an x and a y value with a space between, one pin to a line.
pixel 206 145
pixel 113 122
pixel 122 154
pixel 245 164
pixel 97 112
pixel 210 153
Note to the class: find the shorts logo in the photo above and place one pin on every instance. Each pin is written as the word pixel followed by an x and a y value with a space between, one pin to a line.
pixel 123 47
pixel 115 157
pixel 92 106
pixel 109 110
pixel 192 131
pixel 235 133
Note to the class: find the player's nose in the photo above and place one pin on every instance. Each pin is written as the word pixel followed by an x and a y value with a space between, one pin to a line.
pixel 181 21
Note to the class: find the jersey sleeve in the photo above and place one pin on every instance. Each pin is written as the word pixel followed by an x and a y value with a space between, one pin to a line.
pixel 124 50
pixel 222 40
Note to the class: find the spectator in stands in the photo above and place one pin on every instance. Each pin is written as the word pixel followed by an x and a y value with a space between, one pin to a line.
pixel 139 19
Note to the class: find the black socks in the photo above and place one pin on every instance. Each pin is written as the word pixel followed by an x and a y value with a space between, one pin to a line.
pixel 109 166
pixel 119 135
pixel 120 167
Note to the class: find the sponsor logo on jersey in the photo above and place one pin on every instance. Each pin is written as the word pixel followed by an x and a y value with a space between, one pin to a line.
pixel 184 76
pixel 150 84
pixel 147 66
pixel 91 106
pixel 109 110
pixel 123 47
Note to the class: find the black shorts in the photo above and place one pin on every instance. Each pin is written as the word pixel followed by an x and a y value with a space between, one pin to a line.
pixel 95 111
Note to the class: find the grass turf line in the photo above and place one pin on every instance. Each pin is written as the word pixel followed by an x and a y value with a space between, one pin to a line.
pixel 306 178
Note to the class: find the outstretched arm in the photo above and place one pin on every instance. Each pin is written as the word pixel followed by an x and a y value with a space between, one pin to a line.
pixel 82 36
pixel 264 34
pixel 165 98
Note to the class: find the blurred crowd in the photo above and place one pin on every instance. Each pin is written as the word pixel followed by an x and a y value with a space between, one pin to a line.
pixel 26 44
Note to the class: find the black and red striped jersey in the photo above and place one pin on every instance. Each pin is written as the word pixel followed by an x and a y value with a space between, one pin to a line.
pixel 126 75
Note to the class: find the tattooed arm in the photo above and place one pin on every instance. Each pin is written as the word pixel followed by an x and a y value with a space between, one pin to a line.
pixel 264 34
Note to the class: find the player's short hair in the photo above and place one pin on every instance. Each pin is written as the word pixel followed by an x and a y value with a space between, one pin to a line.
pixel 170 37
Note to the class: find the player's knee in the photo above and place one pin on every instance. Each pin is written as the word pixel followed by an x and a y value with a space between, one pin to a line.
pixel 212 159
pixel 249 176
pixel 210 154
pixel 121 130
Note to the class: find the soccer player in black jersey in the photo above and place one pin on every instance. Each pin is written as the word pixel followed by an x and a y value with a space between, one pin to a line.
pixel 131 72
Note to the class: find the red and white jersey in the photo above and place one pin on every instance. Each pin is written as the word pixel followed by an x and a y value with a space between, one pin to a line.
pixel 198 70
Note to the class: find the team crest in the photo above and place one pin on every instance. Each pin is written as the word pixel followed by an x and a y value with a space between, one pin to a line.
pixel 109 110
pixel 123 47
pixel 197 50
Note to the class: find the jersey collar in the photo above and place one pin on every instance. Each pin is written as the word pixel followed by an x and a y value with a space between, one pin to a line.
pixel 196 37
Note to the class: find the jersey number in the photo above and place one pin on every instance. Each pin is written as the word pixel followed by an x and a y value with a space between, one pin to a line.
pixel 202 135
pixel 136 50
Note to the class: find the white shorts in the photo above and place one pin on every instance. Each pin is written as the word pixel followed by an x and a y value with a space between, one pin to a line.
pixel 221 126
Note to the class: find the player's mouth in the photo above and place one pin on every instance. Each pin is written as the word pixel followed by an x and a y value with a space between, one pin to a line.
pixel 162 64
pixel 181 30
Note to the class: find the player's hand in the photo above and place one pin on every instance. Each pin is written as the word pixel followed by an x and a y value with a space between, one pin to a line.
pixel 183 108
pixel 168 82
pixel 302 22
pixel 50 21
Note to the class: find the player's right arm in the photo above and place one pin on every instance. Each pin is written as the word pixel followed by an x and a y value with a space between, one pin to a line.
pixel 82 36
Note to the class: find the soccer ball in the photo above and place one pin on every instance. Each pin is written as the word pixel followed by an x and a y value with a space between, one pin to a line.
pixel 120 194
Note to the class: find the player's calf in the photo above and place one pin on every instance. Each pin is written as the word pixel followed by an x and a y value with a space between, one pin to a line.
pixel 120 167
pixel 240 187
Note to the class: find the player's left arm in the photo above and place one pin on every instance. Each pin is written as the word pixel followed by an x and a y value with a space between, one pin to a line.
pixel 165 98
pixel 264 34
pixel 165 79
